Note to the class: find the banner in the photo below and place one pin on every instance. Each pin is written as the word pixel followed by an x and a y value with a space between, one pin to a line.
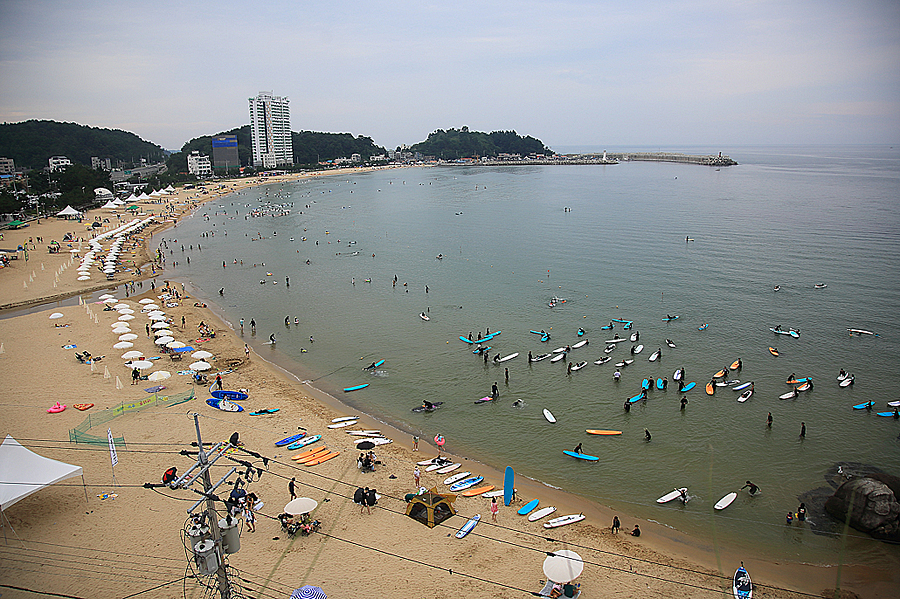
pixel 112 448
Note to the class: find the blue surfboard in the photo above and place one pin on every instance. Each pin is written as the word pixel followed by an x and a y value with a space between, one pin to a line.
pixel 581 456
pixel 375 365
pixel 668 319
pixel 232 395
pixel 304 442
pixel 620 320
pixel 468 526
pixel 660 384
pixel 689 386
pixel 886 414
pixel 636 398
pixel 356 388
pixel 645 384
pixel 466 339
pixel 465 484
pixel 509 481
pixel 863 406
pixel 289 440
pixel 528 507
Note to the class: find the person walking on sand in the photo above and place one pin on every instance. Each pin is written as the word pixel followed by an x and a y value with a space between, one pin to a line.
pixel 219 382
pixel 416 475
pixel 615 525
pixel 292 489
pixel 247 351
pixel 415 443
pixel 495 509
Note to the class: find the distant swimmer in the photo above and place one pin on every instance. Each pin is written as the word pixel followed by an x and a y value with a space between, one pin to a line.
pixel 518 403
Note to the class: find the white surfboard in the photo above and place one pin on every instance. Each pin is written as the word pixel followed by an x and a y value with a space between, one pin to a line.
pixel 787 395
pixel 847 381
pixel 537 515
pixel 559 350
pixel 581 343
pixel 563 520
pixel 456 477
pixel 507 358
pixel 654 356
pixel 489 494
pixel 345 418
pixel 639 348
pixel 371 433
pixel 671 496
pixel 343 424
pixel 557 358
pixel 448 469
pixel 549 416
pixel 725 501
pixel 617 340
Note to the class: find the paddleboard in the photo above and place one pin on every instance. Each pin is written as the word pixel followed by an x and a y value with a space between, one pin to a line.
pixel 862 332
pixel 602 360
pixel 555 359
pixel 229 395
pixel 289 440
pixel 725 501
pixel 703 326
pixel 634 336
pixel 636 398
pixel 224 405
pixel 528 507
pixel 894 404
pixel 797 381
pixel 581 343
pixel 376 365
pixel 356 388
pixel 847 382
pixel 638 349
pixel 677 375
pixel 670 318
pixel 456 478
pixel 264 411
pixel 660 384
pixel 581 456
pixel 670 343
pixel 540 357
pixel 343 424
pixel 509 482
pixel 434 467
pixel 312 455
pixel 344 418
pixel 593 431
pixel 374 441
pixel 736 364
pixel 494 493
pixel 788 395
pixel 468 526
pixel 303 442
pixel 563 520
pixel 710 388
pixel 448 469
pixel 745 395
pixel 434 406
pixel 371 433
pixel 805 386
pixel 743 386
pixel 617 340
pixel 423 316
pixel 671 496
pixel 481 350
pixel 863 406
pixel 478 491
pixel 773 351
pixel 841 377
pixel 544 511
pixel 886 414
pixel 742 587
pixel 688 387
pixel 507 358
pixel 559 350
pixel 578 366
pixel 324 458
pixel 655 356
pixel 549 416
pixel 467 340
pixel 645 384
pixel 719 374
pixel 465 484
pixel 303 455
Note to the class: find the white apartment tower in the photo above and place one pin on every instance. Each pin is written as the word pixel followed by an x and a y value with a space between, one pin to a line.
pixel 270 131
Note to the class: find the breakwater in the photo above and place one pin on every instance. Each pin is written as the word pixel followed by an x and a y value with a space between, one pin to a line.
pixel 717 160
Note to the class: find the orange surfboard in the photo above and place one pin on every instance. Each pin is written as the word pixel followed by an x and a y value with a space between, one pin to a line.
pixel 307 453
pixel 324 458
pixel 710 388
pixel 736 364
pixel 773 351
pixel 719 374
pixel 478 491
pixel 313 457
pixel 592 431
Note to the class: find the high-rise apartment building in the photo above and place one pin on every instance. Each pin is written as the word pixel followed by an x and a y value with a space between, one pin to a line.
pixel 270 131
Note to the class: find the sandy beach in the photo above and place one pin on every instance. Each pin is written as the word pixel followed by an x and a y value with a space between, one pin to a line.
pixel 68 539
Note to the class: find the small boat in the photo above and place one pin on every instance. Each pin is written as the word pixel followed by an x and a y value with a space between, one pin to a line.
pixel 742 587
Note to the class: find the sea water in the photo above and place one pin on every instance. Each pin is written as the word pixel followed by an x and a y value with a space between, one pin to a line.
pixel 610 240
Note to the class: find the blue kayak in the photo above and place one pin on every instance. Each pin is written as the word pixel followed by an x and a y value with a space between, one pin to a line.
pixel 581 456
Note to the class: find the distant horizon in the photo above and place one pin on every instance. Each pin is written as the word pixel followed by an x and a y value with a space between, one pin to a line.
pixel 567 73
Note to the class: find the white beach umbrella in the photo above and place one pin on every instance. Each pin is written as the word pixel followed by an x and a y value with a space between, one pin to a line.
pixel 158 317
pixel 201 365
pixel 155 313
pixel 300 505
pixel 121 305
pixel 159 375
pixel 175 344
pixel 110 300
pixel 84 278
pixel 123 345
pixel 56 315
pixel 109 270
pixel 201 355
pixel 146 300
pixel 563 566
pixel 122 329
pixel 127 337
pixel 125 311
pixel 132 354
pixel 106 296
pixel 119 324
pixel 126 317
pixel 162 333
pixel 164 340
pixel 140 364
pixel 159 325
pixel 151 306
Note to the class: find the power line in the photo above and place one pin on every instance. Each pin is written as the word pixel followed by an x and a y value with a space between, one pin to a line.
pixel 15 588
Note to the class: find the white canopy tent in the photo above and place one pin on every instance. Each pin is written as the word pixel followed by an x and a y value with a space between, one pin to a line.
pixel 24 472
pixel 68 211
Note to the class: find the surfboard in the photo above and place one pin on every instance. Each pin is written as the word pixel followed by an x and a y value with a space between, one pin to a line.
pixel 507 358
pixel 540 357
pixel 670 318
pixel 886 414
pixel 377 364
pixel 655 356
pixel 670 343
pixel 676 376
pixel 456 478
pixel 325 458
pixel 468 526
pixel 703 326
pixel 308 453
pixel 375 441
pixel 788 395
pixel 313 454
pixel 557 358
pixel 672 495
pixel 773 351
pixel 841 377
pixel 467 340
pixel 563 520
pixel 494 493
pixel 688 387
pixel 344 418
pixel 637 398
pixel 617 340
pixel 371 433
pixel 745 395
pixel 736 364
pixel 645 384
pixel 289 440
pixel 660 384
pixel 423 316
pixel 481 350
pixel 528 507
pixel 797 381
pixel 862 332
pixel 805 386
pixel 303 442
pixel 434 466
pixel 549 416
pixel 847 382
pixel 725 501
pixel 465 484
pixel 742 587
pixel 594 431
pixel 620 320
pixel 448 469
pixel 581 456
pixel 719 374
pixel 578 366
pixel 602 360
pixel 478 491
pixel 544 511
pixel 224 405
pixel 894 404
pixel 509 482
pixel 710 388
pixel 342 424
pixel 356 388
pixel 863 406
pixel 559 350
pixel 634 336
pixel 624 363
pixel 638 349
pixel 264 411
pixel 742 386
pixel 229 395
pixel 581 343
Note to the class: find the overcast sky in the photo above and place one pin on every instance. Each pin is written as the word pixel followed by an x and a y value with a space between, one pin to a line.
pixel 598 73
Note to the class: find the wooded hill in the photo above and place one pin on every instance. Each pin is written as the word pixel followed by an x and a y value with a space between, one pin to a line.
pixel 31 143
pixel 453 144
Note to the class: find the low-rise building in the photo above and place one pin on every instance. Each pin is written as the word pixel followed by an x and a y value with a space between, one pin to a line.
pixel 59 163
pixel 199 165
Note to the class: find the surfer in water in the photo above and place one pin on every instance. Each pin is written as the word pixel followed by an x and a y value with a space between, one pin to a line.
pixel 577 448
pixel 529 357
pixel 753 489
pixel 617 375
pixel 647 436
pixel 427 405
pixel 370 366
pixel 518 403
pixel 769 420
pixel 683 495
pixel 627 406
pixel 495 391
pixel 684 401
pixel 272 338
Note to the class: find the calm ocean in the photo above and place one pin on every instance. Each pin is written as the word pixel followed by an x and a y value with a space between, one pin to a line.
pixel 789 216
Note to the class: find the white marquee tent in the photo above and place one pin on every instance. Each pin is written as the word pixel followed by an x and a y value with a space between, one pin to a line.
pixel 24 472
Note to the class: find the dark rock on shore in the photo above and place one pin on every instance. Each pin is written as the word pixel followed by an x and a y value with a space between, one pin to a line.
pixel 871 504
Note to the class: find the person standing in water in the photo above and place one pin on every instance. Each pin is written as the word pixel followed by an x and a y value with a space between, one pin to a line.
pixel 769 420
pixel 647 436
pixel 753 489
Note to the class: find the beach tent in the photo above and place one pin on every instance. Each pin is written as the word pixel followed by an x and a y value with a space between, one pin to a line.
pixel 24 472
pixel 431 508
pixel 68 211
pixel 110 205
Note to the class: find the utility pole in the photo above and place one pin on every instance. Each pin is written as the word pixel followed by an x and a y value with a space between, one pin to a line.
pixel 221 575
